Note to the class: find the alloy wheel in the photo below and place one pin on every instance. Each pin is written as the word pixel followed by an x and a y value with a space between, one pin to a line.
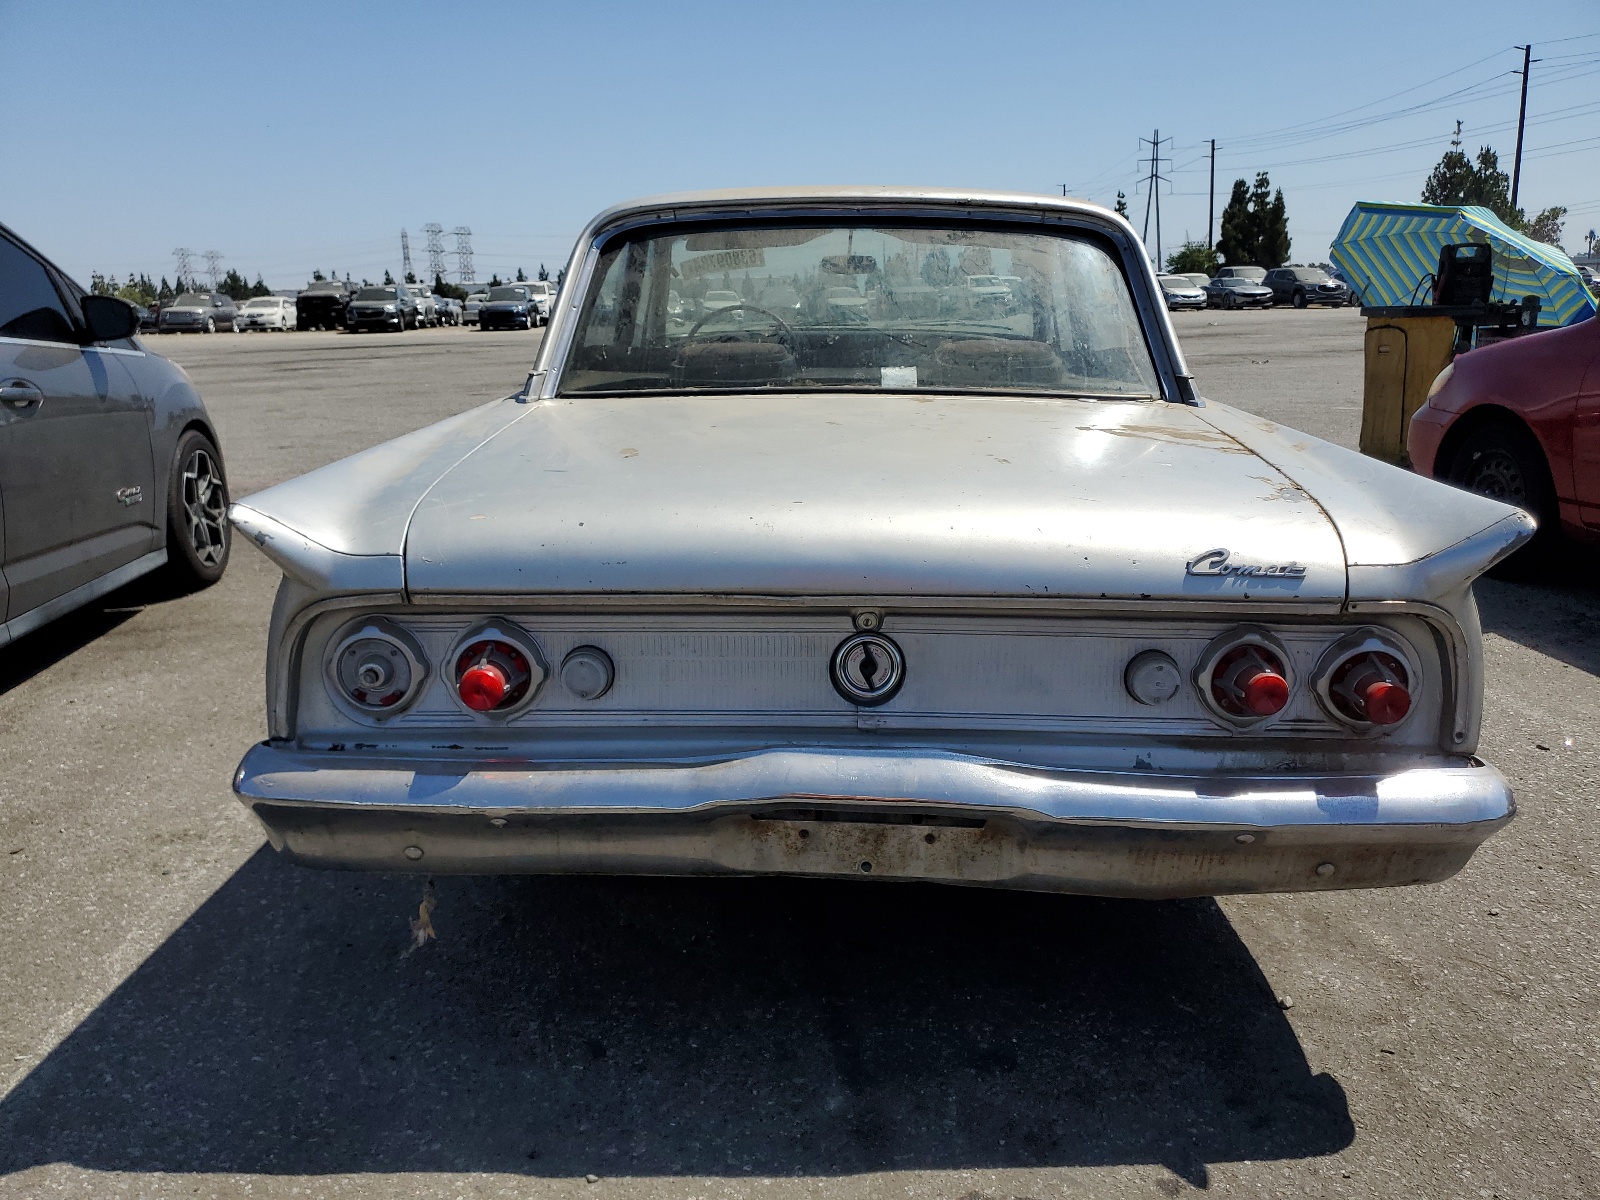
pixel 205 507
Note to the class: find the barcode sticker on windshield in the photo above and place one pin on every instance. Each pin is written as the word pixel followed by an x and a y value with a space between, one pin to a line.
pixel 899 377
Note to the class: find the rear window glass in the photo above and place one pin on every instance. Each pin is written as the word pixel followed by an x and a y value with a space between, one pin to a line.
pixel 968 307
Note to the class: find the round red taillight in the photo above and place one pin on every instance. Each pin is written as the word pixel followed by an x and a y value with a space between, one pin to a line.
pixel 1371 688
pixel 492 674
pixel 1250 681
pixel 482 687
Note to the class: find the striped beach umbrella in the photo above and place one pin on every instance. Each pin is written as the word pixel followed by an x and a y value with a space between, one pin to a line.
pixel 1387 250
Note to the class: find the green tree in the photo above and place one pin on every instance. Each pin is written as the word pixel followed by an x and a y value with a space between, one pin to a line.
pixel 317 276
pixel 450 290
pixel 1192 257
pixel 544 275
pixel 411 276
pixel 1547 226
pixel 1122 204
pixel 259 287
pixel 165 292
pixel 1457 181
pixel 234 285
pixel 521 278
pixel 495 280
pixel 1273 250
pixel 1255 225
pixel 388 279
pixel 1239 237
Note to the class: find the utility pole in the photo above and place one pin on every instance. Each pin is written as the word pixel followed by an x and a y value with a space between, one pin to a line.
pixel 214 268
pixel 463 236
pixel 405 257
pixel 1522 118
pixel 1211 201
pixel 1154 198
pixel 185 271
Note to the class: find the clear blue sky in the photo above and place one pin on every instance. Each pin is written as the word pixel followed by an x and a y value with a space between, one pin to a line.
pixel 289 136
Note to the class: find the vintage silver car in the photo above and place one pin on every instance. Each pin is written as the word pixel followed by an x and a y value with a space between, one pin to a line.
pixel 945 594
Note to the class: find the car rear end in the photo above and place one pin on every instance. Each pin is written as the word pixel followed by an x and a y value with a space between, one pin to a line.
pixel 1184 753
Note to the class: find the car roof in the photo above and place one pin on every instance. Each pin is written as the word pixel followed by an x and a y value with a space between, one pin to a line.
pixel 684 205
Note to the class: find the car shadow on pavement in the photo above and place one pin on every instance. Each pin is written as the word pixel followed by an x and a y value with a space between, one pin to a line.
pixel 42 649
pixel 1555 611
pixel 650 1027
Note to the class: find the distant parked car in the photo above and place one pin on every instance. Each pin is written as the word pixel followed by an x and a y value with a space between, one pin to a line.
pixel 718 299
pixel 108 461
pixel 199 312
pixel 147 317
pixel 267 312
pixel 544 298
pixel 449 310
pixel 1180 291
pixel 1354 297
pixel 1303 286
pixel 427 303
pixel 469 310
pixel 1235 291
pixel 382 308
pixel 1253 274
pixel 1198 278
pixel 323 305
pixel 509 306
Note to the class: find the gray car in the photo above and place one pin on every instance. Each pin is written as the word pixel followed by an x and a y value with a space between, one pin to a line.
pixel 199 312
pixel 109 467
pixel 944 594
pixel 1304 286
pixel 1180 292
pixel 1235 291
pixel 389 306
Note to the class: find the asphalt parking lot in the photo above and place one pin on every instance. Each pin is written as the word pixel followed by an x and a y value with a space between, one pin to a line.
pixel 183 1014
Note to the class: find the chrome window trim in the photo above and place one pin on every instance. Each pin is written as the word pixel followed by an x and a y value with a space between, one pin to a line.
pixel 95 346
pixel 1155 321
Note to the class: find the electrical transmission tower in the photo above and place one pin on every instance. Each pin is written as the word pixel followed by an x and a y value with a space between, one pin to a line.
pixel 463 237
pixel 214 268
pixel 405 257
pixel 185 271
pixel 1156 179
pixel 436 267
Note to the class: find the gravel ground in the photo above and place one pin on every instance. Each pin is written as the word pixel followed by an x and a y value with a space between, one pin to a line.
pixel 183 1014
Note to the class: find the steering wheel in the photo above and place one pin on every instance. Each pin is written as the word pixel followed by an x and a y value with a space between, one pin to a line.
pixel 728 308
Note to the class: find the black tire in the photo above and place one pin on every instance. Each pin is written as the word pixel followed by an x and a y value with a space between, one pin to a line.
pixel 210 325
pixel 1298 300
pixel 198 534
pixel 1504 461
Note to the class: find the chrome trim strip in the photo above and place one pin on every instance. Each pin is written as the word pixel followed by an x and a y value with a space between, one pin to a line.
pixel 13 341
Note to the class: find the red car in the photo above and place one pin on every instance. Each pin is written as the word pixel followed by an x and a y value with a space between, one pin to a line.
pixel 1520 421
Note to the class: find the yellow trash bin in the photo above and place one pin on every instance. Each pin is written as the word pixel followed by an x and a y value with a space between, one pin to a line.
pixel 1404 355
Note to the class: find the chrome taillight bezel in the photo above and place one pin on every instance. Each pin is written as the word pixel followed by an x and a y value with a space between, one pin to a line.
pixel 404 645
pixel 1222 644
pixel 1363 641
pixel 502 631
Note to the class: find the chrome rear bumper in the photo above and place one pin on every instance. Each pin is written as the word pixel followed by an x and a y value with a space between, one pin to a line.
pixel 949 818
